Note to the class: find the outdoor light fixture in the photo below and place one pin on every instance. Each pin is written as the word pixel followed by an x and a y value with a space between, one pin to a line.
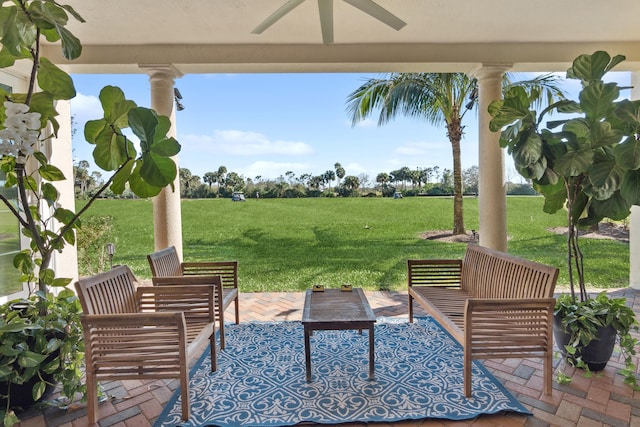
pixel 177 96
pixel 110 249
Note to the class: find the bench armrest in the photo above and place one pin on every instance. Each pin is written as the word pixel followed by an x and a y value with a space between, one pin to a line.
pixel 435 272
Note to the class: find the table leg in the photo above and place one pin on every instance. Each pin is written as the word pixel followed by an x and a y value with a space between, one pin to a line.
pixel 371 355
pixel 307 352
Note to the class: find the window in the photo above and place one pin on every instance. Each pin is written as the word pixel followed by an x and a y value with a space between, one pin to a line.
pixel 9 242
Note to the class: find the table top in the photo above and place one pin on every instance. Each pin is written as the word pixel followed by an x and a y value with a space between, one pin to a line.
pixel 334 306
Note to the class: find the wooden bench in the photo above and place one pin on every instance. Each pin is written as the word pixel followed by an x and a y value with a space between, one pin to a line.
pixel 494 304
pixel 148 332
pixel 166 268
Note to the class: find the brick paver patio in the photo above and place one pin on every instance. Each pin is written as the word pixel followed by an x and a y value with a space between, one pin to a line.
pixel 603 400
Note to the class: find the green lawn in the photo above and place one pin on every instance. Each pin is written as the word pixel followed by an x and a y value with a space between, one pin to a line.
pixel 290 244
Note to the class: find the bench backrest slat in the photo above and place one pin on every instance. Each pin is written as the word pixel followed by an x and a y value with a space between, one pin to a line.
pixel 487 273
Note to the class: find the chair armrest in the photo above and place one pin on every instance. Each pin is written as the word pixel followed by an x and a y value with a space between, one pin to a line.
pixel 132 320
pixel 508 326
pixel 227 270
pixel 507 306
pixel 198 301
pixel 134 339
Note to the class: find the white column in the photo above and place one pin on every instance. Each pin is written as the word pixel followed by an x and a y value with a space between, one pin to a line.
pixel 60 153
pixel 167 217
pixel 634 223
pixel 491 187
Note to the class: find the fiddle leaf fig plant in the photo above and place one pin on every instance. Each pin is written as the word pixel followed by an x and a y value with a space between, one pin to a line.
pixel 28 127
pixel 587 162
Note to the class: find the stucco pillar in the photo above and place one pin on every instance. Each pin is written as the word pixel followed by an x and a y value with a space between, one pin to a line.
pixel 492 202
pixel 167 217
pixel 634 222
pixel 60 153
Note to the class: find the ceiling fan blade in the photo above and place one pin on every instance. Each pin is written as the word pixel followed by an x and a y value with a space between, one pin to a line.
pixel 275 16
pixel 378 12
pixel 325 7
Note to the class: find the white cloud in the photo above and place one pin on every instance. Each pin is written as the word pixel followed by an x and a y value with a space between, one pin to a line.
pixel 245 143
pixel 85 108
pixel 272 170
pixel 420 148
pixel 366 123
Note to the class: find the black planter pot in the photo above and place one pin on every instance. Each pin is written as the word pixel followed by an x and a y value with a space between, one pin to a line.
pixel 21 394
pixel 596 354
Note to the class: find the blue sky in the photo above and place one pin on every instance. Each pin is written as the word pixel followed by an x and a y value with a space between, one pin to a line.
pixel 268 124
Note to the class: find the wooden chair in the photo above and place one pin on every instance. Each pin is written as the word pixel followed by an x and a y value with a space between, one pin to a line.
pixel 148 332
pixel 166 268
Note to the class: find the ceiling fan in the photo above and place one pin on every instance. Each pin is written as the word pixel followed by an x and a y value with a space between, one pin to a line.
pixel 325 7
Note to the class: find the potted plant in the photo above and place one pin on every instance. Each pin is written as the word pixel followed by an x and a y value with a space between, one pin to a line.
pixel 588 164
pixel 47 322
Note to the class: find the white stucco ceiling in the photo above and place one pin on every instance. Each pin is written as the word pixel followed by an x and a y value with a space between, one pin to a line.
pixel 198 36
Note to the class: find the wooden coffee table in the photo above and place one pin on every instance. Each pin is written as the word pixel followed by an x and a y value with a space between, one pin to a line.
pixel 334 309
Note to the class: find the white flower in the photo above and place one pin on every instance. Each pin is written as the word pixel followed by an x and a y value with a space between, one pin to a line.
pixel 13 108
pixel 22 131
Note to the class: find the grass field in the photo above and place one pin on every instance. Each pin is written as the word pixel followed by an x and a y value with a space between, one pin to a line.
pixel 290 244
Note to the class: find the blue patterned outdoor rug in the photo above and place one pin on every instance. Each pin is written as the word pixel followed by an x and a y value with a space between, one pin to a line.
pixel 260 379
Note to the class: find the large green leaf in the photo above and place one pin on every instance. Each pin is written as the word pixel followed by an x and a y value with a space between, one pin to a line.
pixel 51 173
pixel 121 178
pixel 628 111
pixel 55 81
pixel 112 150
pixel 29 359
pixel 630 187
pixel 44 103
pixel 627 153
pixel 593 67
pixel 603 134
pixel 157 170
pixel 167 148
pixel 116 107
pixel 597 100
pixel 615 207
pixel 574 162
pixel 514 106
pixel 605 178
pixel 528 151
pixel 139 186
pixel 11 38
pixel 555 196
pixel 71 46
pixel 143 123
pixel 93 129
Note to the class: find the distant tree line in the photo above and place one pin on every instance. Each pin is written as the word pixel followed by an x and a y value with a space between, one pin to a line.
pixel 427 181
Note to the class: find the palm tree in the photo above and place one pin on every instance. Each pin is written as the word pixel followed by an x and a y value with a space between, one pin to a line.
pixel 437 98
pixel 340 172
pixel 210 178
pixel 221 177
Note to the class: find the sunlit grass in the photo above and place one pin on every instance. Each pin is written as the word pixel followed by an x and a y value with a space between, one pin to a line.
pixel 290 244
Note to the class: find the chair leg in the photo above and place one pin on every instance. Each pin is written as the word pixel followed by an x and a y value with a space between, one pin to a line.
pixel 410 309
pixel 548 373
pixel 214 352
pixel 467 371
pixel 221 321
pixel 184 395
pixel 92 398
pixel 237 309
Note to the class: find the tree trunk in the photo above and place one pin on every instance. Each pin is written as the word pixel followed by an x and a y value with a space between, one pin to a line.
pixel 455 135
